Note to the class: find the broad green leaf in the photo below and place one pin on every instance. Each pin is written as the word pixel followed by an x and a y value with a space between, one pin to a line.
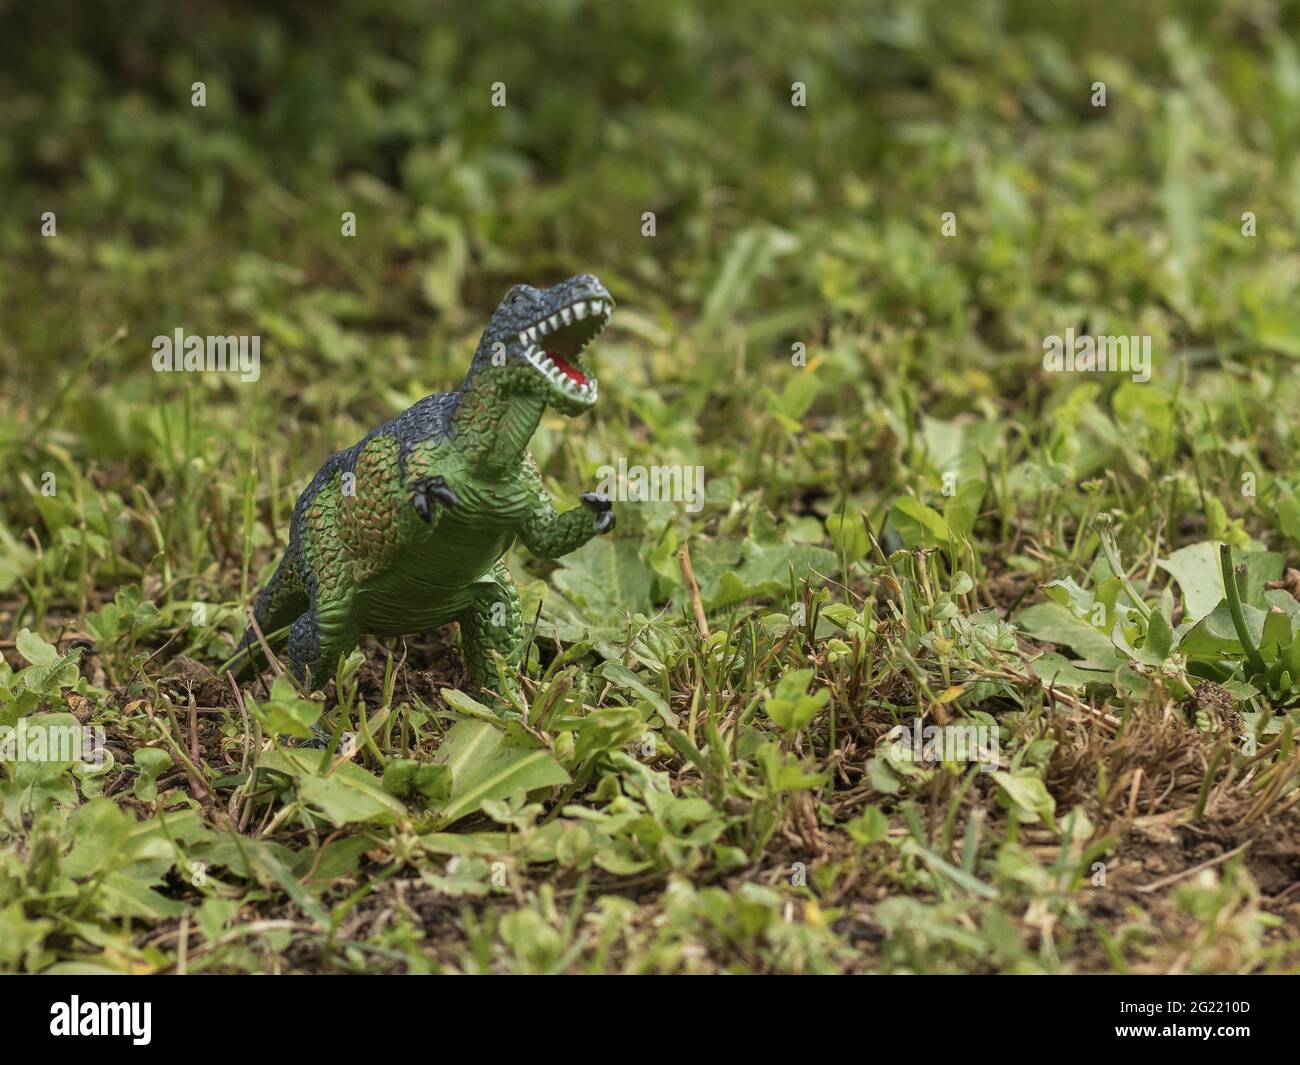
pixel 917 524
pixel 871 826
pixel 483 766
pixel 1026 791
pixel 35 649
pixel 961 510
pixel 467 705
pixel 623 677
pixel 1160 638
pixel 1055 623
pixel 405 777
pixel 100 832
pixel 606 729
pixel 285 713
pixel 340 800
pixel 782 771
pixel 1196 569
pixel 790 707
pixel 758 570
pixel 152 762
pixel 607 578
pixel 349 794
pixel 1199 575
pixel 1215 636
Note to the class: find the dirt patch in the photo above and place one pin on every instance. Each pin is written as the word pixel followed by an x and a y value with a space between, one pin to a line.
pixel 1271 847
pixel 1215 700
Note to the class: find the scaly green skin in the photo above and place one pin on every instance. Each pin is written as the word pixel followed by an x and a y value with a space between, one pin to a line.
pixel 406 530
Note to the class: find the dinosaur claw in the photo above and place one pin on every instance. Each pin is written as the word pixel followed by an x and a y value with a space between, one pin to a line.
pixel 427 488
pixel 441 491
pixel 604 510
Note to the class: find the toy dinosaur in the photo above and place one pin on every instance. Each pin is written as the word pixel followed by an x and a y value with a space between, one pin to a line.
pixel 406 530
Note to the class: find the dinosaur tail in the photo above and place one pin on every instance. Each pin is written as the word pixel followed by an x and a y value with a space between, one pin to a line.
pixel 279 605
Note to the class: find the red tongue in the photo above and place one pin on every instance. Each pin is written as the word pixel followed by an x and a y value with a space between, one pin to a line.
pixel 571 372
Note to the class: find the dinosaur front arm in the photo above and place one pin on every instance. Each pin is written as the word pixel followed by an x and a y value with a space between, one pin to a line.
pixel 548 534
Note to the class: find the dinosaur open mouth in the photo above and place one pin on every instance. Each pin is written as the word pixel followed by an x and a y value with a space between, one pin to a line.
pixel 553 345
pixel 568 369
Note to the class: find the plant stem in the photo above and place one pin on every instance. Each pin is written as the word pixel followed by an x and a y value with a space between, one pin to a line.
pixel 1111 552
pixel 1257 665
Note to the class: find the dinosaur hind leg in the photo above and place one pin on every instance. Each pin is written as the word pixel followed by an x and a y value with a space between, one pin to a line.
pixel 493 622
pixel 319 638
pixel 282 600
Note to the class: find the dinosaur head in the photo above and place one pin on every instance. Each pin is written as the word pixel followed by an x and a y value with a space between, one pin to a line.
pixel 536 339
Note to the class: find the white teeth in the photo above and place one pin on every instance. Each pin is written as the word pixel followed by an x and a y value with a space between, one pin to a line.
pixel 541 360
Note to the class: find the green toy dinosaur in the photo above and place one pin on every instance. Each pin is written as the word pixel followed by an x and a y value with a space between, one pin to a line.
pixel 405 530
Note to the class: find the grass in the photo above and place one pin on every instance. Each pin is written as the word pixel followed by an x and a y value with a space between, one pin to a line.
pixel 908 523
